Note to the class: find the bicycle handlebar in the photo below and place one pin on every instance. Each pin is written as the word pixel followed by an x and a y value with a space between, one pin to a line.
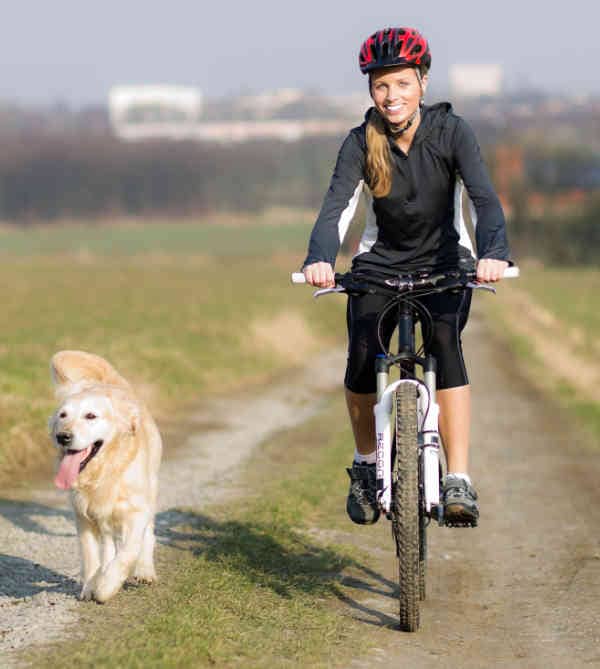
pixel 509 273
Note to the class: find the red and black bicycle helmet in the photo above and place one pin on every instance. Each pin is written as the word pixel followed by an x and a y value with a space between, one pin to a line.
pixel 394 46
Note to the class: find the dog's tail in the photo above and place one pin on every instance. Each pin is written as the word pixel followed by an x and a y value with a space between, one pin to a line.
pixel 74 368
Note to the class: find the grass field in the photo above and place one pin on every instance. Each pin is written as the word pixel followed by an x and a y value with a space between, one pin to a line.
pixel 180 309
pixel 275 230
pixel 551 320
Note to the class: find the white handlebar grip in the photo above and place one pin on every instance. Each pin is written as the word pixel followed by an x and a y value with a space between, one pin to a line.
pixel 511 272
pixel 298 277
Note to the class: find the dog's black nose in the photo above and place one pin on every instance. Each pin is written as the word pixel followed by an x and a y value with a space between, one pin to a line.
pixel 64 438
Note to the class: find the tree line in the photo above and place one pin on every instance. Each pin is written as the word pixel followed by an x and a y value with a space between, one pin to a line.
pixel 49 178
pixel 81 175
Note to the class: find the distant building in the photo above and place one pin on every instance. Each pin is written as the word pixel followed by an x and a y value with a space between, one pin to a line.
pixel 264 105
pixel 174 113
pixel 153 111
pixel 473 80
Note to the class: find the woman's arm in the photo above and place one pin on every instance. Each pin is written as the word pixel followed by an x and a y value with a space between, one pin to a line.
pixel 338 208
pixel 490 231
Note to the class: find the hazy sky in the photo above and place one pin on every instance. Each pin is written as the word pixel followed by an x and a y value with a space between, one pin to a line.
pixel 75 50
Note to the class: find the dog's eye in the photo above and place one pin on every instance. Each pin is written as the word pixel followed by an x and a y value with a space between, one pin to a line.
pixel 90 416
pixel 62 414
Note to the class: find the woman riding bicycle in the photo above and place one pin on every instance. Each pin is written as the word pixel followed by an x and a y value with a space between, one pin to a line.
pixel 406 158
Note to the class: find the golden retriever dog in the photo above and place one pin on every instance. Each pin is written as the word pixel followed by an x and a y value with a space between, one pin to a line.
pixel 109 455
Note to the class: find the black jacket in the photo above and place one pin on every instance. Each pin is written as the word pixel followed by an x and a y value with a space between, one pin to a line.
pixel 414 226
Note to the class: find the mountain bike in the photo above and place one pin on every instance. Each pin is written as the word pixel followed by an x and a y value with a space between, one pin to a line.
pixel 409 470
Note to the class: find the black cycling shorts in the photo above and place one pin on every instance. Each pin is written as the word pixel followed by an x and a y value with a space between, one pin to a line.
pixel 449 312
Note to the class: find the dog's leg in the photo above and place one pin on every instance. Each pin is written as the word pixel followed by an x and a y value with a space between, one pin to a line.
pixel 109 581
pixel 108 549
pixel 90 554
pixel 144 567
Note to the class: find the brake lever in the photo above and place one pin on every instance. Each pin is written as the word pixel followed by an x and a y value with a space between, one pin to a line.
pixel 481 286
pixel 326 291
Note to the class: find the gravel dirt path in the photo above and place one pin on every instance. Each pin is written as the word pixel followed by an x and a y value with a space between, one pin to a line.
pixel 520 591
pixel 523 589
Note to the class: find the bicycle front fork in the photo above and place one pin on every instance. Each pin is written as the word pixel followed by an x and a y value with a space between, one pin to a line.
pixel 427 434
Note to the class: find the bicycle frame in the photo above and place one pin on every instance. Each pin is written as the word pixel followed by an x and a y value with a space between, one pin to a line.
pixel 427 410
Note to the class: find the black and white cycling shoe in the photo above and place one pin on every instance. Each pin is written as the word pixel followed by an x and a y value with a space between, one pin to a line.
pixel 460 503
pixel 362 497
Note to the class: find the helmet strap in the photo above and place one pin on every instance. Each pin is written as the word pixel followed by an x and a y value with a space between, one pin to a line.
pixel 398 130
pixel 420 80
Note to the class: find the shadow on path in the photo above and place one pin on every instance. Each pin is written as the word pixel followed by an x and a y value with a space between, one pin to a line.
pixel 23 578
pixel 23 515
pixel 278 558
pixel 271 556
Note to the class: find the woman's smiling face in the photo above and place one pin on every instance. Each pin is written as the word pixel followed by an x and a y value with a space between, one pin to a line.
pixel 396 92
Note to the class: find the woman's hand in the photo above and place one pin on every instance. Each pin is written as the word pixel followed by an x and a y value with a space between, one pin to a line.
pixel 490 270
pixel 319 274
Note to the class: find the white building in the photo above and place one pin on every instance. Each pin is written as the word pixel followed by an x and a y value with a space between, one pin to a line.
pixel 265 104
pixel 174 113
pixel 475 80
pixel 153 111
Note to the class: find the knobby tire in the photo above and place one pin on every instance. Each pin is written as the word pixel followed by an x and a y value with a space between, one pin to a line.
pixel 422 556
pixel 405 508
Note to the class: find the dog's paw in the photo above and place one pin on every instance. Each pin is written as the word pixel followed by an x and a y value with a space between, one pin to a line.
pixel 104 590
pixel 107 584
pixel 144 573
pixel 86 593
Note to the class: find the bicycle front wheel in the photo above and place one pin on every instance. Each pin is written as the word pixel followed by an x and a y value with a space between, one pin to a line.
pixel 405 506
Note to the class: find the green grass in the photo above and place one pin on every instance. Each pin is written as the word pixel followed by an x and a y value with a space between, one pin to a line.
pixel 569 300
pixel 218 313
pixel 213 234
pixel 248 585
pixel 571 294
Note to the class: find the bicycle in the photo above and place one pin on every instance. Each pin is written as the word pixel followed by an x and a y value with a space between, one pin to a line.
pixel 409 471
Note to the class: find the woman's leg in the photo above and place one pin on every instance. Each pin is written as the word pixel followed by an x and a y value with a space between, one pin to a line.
pixel 360 409
pixel 361 504
pixel 459 496
pixel 449 315
pixel 455 424
pixel 360 381
pixel 361 385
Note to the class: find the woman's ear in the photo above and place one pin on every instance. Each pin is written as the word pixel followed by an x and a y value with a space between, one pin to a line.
pixel 424 82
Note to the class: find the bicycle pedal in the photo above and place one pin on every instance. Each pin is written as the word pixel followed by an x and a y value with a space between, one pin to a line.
pixel 460 523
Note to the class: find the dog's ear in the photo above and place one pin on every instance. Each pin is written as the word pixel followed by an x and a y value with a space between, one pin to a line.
pixel 129 415
pixel 134 419
pixel 68 368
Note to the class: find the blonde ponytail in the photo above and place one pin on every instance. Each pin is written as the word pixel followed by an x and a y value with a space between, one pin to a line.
pixel 379 159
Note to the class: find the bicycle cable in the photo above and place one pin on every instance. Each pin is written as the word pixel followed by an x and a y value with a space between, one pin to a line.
pixel 423 314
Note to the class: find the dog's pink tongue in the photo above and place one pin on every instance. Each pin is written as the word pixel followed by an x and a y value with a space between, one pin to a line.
pixel 69 468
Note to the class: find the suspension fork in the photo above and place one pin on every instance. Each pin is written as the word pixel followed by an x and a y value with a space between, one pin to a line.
pixel 428 413
pixel 384 407
pixel 430 440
